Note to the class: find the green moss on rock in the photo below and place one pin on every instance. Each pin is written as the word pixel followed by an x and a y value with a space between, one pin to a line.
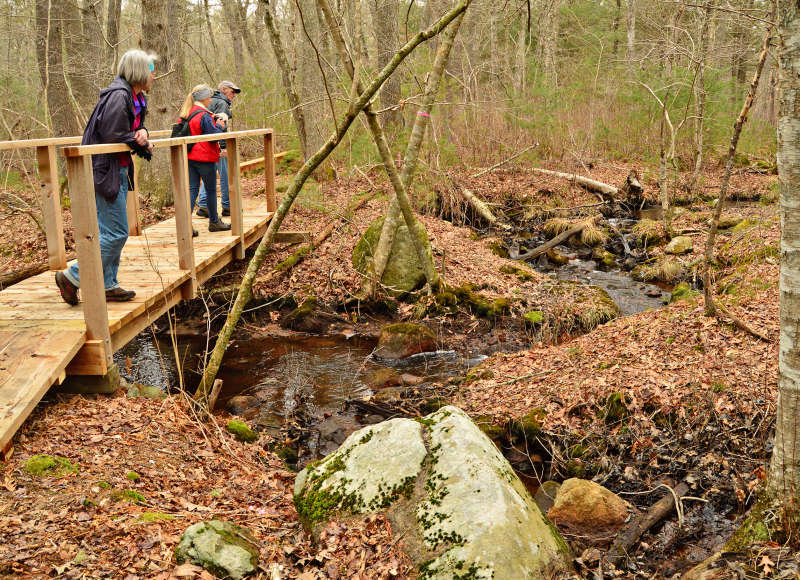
pixel 615 409
pixel 523 275
pixel 527 427
pixel 127 495
pixel 241 431
pixel 151 517
pixel 132 476
pixel 49 466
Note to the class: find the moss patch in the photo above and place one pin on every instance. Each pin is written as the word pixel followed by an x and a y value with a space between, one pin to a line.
pixel 49 466
pixel 127 495
pixel 132 476
pixel 523 275
pixel 150 517
pixel 241 431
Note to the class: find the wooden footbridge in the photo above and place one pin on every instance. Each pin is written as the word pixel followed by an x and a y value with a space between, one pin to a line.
pixel 43 339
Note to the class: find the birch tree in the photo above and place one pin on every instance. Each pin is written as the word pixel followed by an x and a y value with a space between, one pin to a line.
pixel 784 474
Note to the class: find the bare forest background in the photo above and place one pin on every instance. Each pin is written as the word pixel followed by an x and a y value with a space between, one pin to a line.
pixel 583 79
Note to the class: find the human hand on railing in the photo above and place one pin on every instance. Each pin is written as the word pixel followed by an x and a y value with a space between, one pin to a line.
pixel 140 137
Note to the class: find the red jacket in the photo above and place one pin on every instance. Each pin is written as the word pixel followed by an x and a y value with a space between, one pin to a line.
pixel 207 151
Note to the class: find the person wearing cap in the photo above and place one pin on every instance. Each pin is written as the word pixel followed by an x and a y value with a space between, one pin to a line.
pixel 204 156
pixel 220 104
pixel 118 117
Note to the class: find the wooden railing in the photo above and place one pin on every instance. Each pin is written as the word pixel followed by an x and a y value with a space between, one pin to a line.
pixel 84 210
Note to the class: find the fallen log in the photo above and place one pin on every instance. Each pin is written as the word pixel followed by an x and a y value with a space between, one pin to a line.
pixel 9 278
pixel 629 536
pixel 606 192
pixel 481 208
pixel 536 252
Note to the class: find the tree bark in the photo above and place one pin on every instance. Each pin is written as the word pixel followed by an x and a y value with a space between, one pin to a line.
pixel 112 35
pixel 784 473
pixel 246 287
pixel 286 79
pixel 547 46
pixel 230 10
pixel 700 96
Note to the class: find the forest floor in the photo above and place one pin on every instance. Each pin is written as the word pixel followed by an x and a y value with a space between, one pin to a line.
pixel 699 396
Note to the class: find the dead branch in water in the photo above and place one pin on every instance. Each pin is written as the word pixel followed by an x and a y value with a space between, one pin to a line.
pixel 536 252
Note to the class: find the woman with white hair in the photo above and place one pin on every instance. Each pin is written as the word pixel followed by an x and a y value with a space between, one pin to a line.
pixel 118 117
pixel 204 156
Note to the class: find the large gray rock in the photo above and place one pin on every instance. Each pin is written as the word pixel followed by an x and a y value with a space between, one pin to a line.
pixel 679 245
pixel 222 548
pixel 446 488
pixel 403 271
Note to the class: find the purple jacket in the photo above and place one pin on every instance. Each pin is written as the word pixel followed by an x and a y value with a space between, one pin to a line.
pixel 111 122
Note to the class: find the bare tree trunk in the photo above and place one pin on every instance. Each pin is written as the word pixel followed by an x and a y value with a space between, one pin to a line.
pixel 165 98
pixel 49 52
pixel 521 60
pixel 547 46
pixel 784 473
pixel 710 307
pixel 700 96
pixel 615 28
pixel 630 29
pixel 310 82
pixel 230 10
pixel 112 35
pixel 209 28
pixel 384 21
pixel 286 79
pixel 246 287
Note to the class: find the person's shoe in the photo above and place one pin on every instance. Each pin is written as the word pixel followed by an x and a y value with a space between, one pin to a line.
pixel 219 226
pixel 69 292
pixel 202 212
pixel 119 295
pixel 226 212
pixel 195 233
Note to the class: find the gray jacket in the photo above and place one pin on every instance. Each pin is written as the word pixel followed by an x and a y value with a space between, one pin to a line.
pixel 220 104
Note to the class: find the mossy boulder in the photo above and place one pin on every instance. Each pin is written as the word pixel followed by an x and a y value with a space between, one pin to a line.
pixel 679 245
pixel 727 222
pixel 587 506
pixel 404 339
pixel 648 232
pixel 403 272
pixel 454 299
pixel 604 257
pixel 241 431
pixel 49 466
pixel 145 391
pixel 224 549
pixel 520 273
pixel 557 257
pixel 446 489
pixel 528 426
pixel 615 409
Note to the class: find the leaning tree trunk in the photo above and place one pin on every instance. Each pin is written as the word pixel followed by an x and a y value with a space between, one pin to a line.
pixel 710 307
pixel 246 287
pixel 419 235
pixel 383 249
pixel 286 79
pixel 784 473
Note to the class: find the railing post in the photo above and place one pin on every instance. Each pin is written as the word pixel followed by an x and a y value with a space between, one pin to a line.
pixel 134 222
pixel 235 194
pixel 87 246
pixel 269 172
pixel 179 168
pixel 51 206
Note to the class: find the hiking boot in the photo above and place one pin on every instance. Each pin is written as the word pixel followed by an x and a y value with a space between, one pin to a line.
pixel 119 295
pixel 69 292
pixel 195 233
pixel 219 226
pixel 202 212
pixel 226 212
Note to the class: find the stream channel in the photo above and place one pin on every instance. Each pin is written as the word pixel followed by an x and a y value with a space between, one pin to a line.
pixel 308 379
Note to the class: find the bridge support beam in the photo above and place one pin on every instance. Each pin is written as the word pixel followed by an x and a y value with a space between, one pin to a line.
pixel 106 384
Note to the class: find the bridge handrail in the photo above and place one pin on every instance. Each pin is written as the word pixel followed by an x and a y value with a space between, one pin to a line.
pixel 161 143
pixel 59 141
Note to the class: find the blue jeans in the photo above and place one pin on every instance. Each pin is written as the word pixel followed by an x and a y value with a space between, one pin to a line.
pixel 207 171
pixel 222 167
pixel 112 219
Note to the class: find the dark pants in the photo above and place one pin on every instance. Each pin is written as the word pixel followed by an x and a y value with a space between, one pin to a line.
pixel 207 171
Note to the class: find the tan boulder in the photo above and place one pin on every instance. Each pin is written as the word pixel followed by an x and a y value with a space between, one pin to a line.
pixel 588 506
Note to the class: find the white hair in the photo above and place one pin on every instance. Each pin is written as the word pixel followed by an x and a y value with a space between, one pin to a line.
pixel 134 67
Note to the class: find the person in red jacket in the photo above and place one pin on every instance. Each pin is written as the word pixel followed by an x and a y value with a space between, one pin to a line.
pixel 204 156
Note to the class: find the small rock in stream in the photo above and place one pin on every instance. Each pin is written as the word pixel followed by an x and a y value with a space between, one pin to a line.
pixel 240 404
